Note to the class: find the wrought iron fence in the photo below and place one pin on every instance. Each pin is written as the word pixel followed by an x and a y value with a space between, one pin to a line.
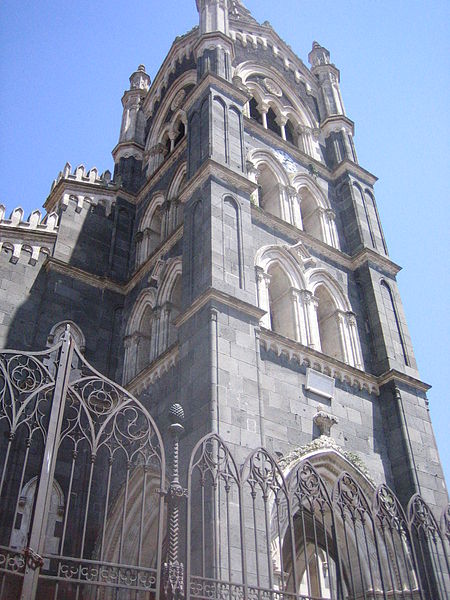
pixel 87 510
pixel 80 513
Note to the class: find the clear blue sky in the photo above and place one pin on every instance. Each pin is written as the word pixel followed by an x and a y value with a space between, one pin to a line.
pixel 65 65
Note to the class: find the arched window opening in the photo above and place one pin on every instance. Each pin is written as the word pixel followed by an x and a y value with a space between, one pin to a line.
pixel 290 132
pixel 316 578
pixel 175 310
pixel 167 144
pixel 327 318
pixel 155 230
pixel 144 340
pixel 311 215
pixel 180 133
pixel 281 303
pixel 254 112
pixel 269 191
pixel 272 122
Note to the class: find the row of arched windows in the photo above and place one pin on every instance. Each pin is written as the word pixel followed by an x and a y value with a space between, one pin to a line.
pixel 280 111
pixel 306 305
pixel 297 200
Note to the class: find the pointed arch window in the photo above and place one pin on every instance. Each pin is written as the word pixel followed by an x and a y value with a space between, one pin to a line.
pixel 290 132
pixel 180 132
pixel 311 217
pixel 281 302
pixel 20 532
pixel 254 111
pixel 327 319
pixel 272 122
pixel 269 191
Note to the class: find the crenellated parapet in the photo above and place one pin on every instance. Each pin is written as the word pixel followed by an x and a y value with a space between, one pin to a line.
pixel 80 174
pixel 35 222
pixel 84 188
pixel 32 237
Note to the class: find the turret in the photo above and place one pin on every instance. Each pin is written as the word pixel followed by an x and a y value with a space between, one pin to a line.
pixel 214 50
pixel 130 149
pixel 139 85
pixel 213 16
pixel 336 127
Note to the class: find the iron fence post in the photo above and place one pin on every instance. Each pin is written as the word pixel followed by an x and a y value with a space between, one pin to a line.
pixel 173 575
pixel 33 552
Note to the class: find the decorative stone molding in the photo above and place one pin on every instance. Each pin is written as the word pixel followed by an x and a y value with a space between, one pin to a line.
pixel 264 37
pixel 177 102
pixel 324 422
pixel 295 351
pixel 324 443
pixel 273 87
pixel 154 371
pixel 301 254
pixel 346 261
pixel 17 249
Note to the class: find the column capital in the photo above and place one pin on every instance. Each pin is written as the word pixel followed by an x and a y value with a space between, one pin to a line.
pixel 262 276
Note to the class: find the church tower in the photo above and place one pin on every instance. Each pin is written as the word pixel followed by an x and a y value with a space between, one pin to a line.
pixel 240 271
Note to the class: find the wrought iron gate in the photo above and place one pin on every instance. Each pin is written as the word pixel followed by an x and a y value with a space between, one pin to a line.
pixel 81 513
pixel 82 516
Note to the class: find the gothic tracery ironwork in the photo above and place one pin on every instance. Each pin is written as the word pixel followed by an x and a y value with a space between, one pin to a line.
pixel 82 480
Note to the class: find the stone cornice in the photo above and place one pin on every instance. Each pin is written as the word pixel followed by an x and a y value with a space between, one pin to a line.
pixel 367 255
pixel 211 168
pixel 98 281
pixel 347 166
pixel 87 187
pixel 211 80
pixel 132 147
pixel 154 371
pixel 348 262
pixel 27 235
pixel 397 376
pixel 319 361
pixel 212 295
pixel 334 122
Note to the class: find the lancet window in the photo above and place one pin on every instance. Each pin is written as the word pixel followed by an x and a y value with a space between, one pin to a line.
pixel 152 326
pixel 307 306
pixel 161 219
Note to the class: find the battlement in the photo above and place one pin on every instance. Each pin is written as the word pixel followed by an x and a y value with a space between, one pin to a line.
pixel 35 222
pixel 80 174
pixel 27 237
